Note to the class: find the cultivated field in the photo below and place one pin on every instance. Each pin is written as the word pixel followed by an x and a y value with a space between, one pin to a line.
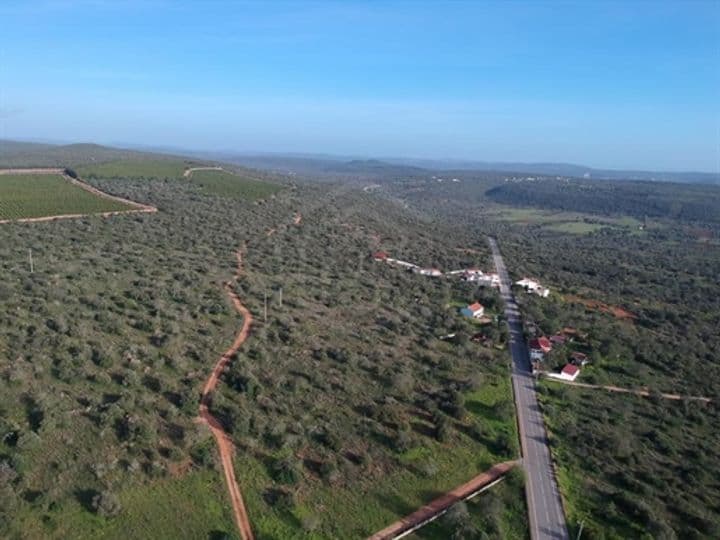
pixel 136 168
pixel 226 184
pixel 24 196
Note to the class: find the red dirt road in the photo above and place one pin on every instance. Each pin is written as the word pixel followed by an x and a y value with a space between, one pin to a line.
pixel 637 391
pixel 442 503
pixel 225 446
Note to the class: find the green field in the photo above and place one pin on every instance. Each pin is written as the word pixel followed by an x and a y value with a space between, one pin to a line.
pixel 564 222
pixel 225 184
pixel 137 168
pixel 191 506
pixel 421 474
pixel 35 196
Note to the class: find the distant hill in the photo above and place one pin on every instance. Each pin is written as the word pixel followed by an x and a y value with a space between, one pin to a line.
pixel 323 166
pixel 22 154
pixel 344 165
pixel 562 169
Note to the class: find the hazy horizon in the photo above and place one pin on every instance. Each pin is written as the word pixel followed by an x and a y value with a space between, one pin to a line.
pixel 603 85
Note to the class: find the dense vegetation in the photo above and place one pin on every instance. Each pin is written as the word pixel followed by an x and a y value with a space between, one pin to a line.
pixel 646 303
pixel 347 408
pixel 685 202
pixel 40 195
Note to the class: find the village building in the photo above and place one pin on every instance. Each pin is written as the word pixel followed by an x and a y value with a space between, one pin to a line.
pixel 475 311
pixel 433 272
pixel 579 359
pixel 533 286
pixel 568 373
pixel 539 347
pixel 380 256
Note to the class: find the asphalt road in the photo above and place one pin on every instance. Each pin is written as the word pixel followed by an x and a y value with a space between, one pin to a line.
pixel 547 520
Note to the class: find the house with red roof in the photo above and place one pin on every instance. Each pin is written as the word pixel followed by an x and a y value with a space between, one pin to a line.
pixel 475 311
pixel 380 256
pixel 568 373
pixel 539 347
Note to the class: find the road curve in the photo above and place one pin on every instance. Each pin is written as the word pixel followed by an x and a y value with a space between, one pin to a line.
pixel 545 510
pixel 225 446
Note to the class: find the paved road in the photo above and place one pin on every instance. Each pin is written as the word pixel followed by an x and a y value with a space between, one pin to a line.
pixel 547 520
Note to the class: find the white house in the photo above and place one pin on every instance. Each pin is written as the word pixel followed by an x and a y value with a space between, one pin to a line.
pixel 568 373
pixel 533 286
pixel 527 283
pixel 434 272
pixel 489 280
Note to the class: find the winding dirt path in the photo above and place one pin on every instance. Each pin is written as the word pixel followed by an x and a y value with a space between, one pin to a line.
pixel 224 443
pixel 638 392
pixel 191 170
pixel 439 506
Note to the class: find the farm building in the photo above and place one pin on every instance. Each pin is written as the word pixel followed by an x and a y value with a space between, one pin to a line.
pixel 475 311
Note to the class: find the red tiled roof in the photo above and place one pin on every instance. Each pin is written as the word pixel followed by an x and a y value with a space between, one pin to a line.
pixel 570 369
pixel 579 356
pixel 544 343
pixel 380 255
pixel 477 306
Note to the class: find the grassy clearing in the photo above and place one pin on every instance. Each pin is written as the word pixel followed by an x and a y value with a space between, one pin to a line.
pixel 192 506
pixel 141 168
pixel 575 227
pixel 419 475
pixel 34 196
pixel 564 222
pixel 229 185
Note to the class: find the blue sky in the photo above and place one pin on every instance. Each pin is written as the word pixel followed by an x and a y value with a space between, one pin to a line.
pixel 606 84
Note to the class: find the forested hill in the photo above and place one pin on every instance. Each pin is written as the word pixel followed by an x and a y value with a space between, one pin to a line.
pixel 687 202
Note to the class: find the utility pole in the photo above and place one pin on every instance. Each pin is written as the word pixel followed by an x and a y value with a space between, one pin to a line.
pixel 280 296
pixel 265 310
pixel 32 269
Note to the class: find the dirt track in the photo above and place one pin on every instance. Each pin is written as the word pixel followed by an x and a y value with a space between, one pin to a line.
pixel 638 392
pixel 225 446
pixel 441 504
pixel 191 170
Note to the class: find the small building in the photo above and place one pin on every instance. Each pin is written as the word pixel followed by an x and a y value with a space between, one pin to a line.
pixel 558 339
pixel 568 373
pixel 475 311
pixel 433 272
pixel 533 286
pixel 380 256
pixel 527 283
pixel 489 280
pixel 539 347
pixel 579 359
